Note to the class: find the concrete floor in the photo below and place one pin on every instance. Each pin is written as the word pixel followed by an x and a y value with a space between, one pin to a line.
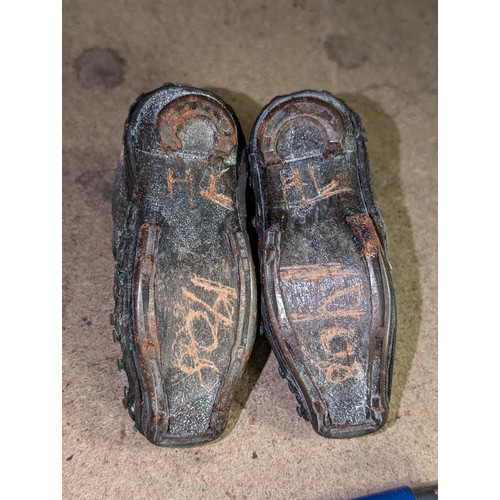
pixel 381 58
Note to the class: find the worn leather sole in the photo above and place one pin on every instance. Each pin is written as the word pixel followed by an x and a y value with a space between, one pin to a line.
pixel 184 284
pixel 327 294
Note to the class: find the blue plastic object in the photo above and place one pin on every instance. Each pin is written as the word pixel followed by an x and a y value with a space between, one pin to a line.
pixel 399 494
